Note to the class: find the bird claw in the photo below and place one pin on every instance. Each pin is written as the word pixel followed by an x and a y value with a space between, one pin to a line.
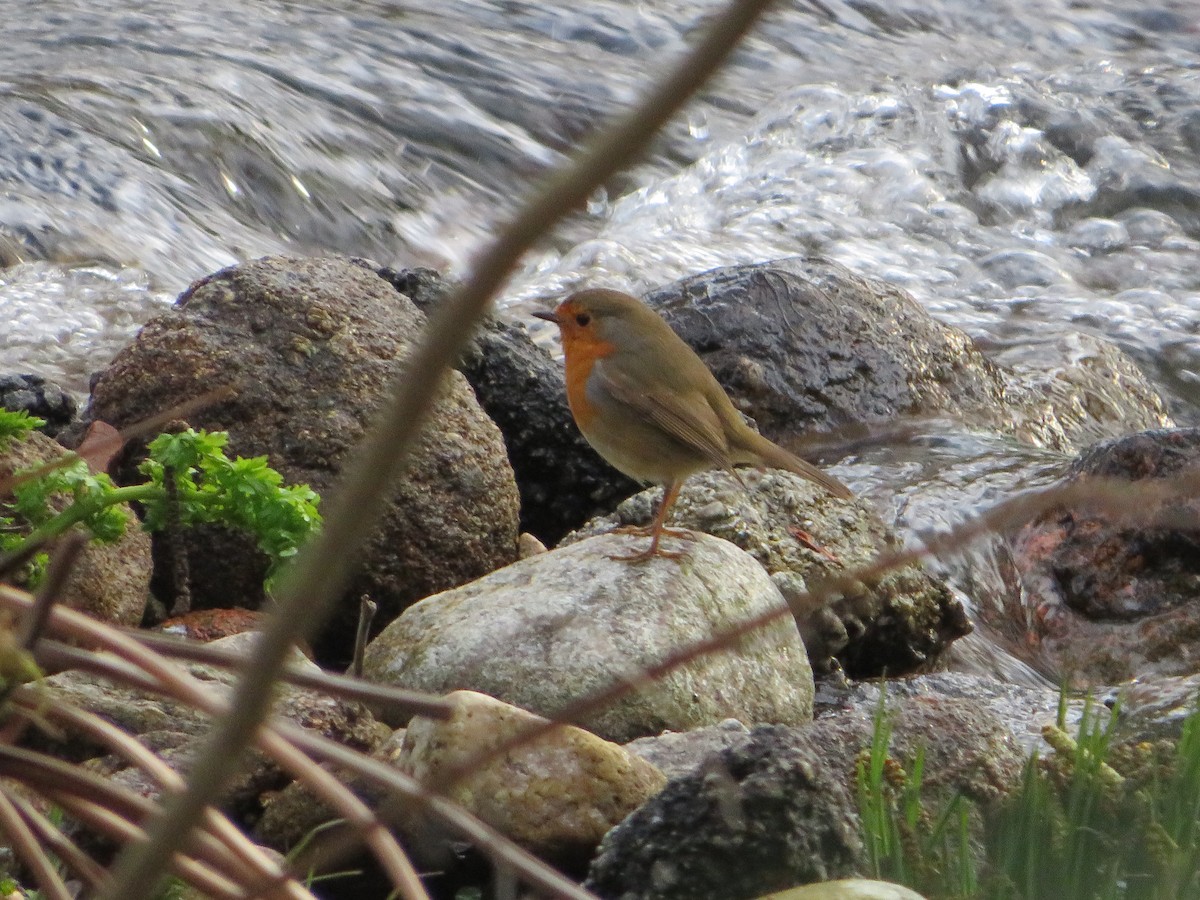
pixel 655 548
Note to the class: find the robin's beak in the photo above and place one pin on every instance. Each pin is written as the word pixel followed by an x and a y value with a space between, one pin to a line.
pixel 548 314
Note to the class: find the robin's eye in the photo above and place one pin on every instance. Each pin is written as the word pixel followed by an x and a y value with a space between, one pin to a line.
pixel 582 319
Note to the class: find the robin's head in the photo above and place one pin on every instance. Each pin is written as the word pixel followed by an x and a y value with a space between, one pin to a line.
pixel 600 317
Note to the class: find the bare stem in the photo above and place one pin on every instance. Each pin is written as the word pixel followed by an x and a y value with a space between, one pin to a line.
pixel 321 573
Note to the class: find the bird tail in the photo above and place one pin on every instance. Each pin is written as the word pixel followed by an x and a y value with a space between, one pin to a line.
pixel 764 452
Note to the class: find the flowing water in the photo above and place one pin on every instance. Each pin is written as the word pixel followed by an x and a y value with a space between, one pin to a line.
pixel 1026 169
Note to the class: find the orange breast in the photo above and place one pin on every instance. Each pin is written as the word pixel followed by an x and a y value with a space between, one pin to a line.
pixel 582 349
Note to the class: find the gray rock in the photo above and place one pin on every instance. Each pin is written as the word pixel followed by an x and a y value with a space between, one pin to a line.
pixel 560 626
pixel 766 815
pixel 678 753
pixel 898 624
pixel 804 344
pixel 311 346
pixel 38 397
pixel 1155 708
pixel 109 580
pixel 1020 710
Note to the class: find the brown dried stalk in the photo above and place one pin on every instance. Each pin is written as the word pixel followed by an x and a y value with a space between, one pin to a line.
pixel 415 703
pixel 25 844
pixel 161 675
pixel 321 572
pixel 262 867
pixel 52 840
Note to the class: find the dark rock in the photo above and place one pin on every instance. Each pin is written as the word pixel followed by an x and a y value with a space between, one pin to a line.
pixel 562 480
pixel 311 346
pixel 1113 598
pixel 766 815
pixel 776 809
pixel 38 397
pixel 804 344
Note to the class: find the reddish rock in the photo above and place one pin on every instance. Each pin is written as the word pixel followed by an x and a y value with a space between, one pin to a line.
pixel 1110 598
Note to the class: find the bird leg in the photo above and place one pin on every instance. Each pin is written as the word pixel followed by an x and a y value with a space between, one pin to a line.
pixel 657 530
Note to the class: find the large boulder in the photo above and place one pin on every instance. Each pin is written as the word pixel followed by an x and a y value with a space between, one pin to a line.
pixel 563 481
pixel 310 348
pixel 560 626
pixel 805 344
pixel 799 533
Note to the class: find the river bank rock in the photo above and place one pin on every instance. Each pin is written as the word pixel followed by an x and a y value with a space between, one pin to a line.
pixel 804 344
pixel 899 623
pixel 108 580
pixel 556 796
pixel 174 730
pixel 38 397
pixel 310 348
pixel 560 626
pixel 776 809
pixel 1113 591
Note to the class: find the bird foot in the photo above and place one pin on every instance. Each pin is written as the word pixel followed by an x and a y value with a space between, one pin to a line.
pixel 655 548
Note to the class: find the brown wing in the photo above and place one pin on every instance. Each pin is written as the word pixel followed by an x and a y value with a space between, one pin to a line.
pixel 688 418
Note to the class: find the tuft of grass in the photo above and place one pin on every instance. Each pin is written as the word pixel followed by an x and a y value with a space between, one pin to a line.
pixel 904 842
pixel 1091 820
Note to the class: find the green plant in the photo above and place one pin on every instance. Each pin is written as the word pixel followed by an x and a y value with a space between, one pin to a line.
pixel 189 481
pixel 903 841
pixel 1099 820
pixel 1092 820
pixel 16 423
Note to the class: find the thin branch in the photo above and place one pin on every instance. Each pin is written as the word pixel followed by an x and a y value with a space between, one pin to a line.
pixel 25 844
pixel 163 676
pixel 57 575
pixel 263 867
pixel 103 820
pixel 53 840
pixel 500 849
pixel 344 686
pixel 321 573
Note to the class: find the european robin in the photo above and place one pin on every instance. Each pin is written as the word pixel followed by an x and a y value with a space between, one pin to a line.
pixel 650 406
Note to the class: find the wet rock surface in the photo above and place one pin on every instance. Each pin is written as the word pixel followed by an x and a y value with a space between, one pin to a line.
pixel 803 344
pixel 38 397
pixel 562 480
pixel 1115 590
